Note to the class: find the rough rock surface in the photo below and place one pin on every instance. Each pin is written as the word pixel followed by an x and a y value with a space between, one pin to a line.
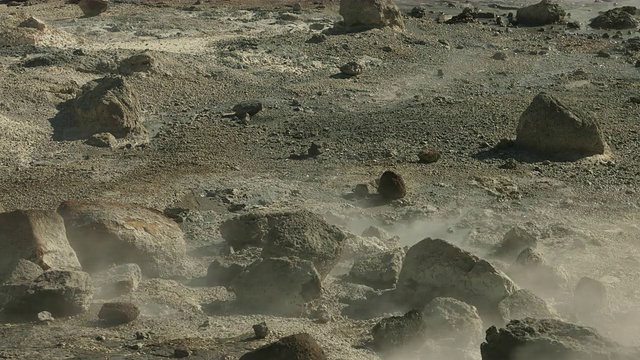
pixel 62 293
pixel 545 12
pixel 302 234
pixel 550 128
pixel 448 318
pixel 532 271
pixel 514 242
pixel 380 271
pixel 117 313
pixel 137 63
pixel 223 271
pixel 24 271
pixel 33 23
pixel 391 186
pixel 545 339
pixel 278 286
pixel 109 105
pixel 370 13
pixel 435 268
pixel 294 347
pixel 352 68
pixel 35 235
pixel 93 7
pixel 116 281
pixel 104 139
pixel 111 233
pixel 626 17
pixel 398 331
pixel 523 304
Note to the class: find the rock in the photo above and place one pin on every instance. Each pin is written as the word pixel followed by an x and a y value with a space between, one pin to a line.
pixel 181 353
pixel 317 39
pixel 380 271
pixel 137 63
pixel 546 12
pixel 23 271
pixel 399 331
pixel 261 330
pixel 35 235
pixel 118 280
pixel 45 317
pixel 514 242
pixel 376 232
pixel 589 298
pixel 429 155
pixel 435 268
pixel 363 190
pixel 297 7
pixel 278 286
pixel 223 273
pixel 352 68
pixel 545 339
pixel 104 233
pixel 61 292
pixel 391 186
pixel 531 270
pixel 371 14
pixel 549 127
pixel 93 7
pixel 315 150
pixel 109 105
pixel 448 318
pixel 500 55
pixel 33 23
pixel 105 139
pixel 250 107
pixel 625 17
pixel 289 17
pixel 603 54
pixel 117 313
pixel 301 233
pixel 292 347
pixel 466 16
pixel 418 12
pixel 524 304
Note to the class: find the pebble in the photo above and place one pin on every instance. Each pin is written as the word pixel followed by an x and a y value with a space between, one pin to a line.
pixel 261 330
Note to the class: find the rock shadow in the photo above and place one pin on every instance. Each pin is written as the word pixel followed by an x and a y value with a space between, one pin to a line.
pixel 64 123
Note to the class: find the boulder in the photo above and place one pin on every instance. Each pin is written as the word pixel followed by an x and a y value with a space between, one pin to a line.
pixel 546 339
pixel 60 292
pixel 524 304
pixel 380 271
pixel 302 234
pixel 550 128
pixel 116 281
pixel 514 242
pixel 391 186
pixel 626 17
pixel 371 14
pixel 357 246
pixel 105 140
pixel 35 235
pixel 250 107
pixel 399 331
pixel 589 298
pixel 435 268
pixel 93 7
pixel 117 313
pixel 545 12
pixel 292 347
pixel 137 63
pixel 223 271
pixel 109 105
pixel 448 318
pixel 278 286
pixel 33 23
pixel 104 233
pixel 532 271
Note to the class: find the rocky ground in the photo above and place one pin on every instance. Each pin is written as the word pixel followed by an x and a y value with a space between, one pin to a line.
pixel 455 88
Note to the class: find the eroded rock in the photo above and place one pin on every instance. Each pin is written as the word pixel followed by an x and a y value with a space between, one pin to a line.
pixel 391 186
pixel 370 14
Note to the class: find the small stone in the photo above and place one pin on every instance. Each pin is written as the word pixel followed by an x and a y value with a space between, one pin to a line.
pixel 362 190
pixel 297 7
pixel 289 17
pixel 106 140
pixel 315 150
pixel 499 56
pixel 117 313
pixel 142 336
pixel 136 346
pixel 100 338
pixel 181 353
pixel 45 317
pixel 352 68
pixel 418 12
pixel 392 186
pixel 603 54
pixel 429 155
pixel 250 107
pixel 317 27
pixel 261 330
pixel 638 64
pixel 635 99
pixel 33 23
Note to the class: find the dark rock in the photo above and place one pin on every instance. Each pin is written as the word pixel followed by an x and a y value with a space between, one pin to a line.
pixel 251 107
pixel 117 313
pixel 370 14
pixel 317 39
pixel 391 186
pixel 181 353
pixel 418 12
pixel 293 347
pixel 93 7
pixel 315 150
pixel 546 12
pixel 261 330
pixel 500 55
pixel 465 17
pixel 352 68
pixel 625 17
pixel 399 331
pixel 33 23
pixel 514 242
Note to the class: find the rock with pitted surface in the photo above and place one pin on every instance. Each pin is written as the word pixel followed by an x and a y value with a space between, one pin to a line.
pixel 371 13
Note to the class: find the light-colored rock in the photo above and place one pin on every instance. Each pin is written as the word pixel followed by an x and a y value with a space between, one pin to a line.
pixel 116 281
pixel 35 235
pixel 523 304
pixel 371 14
pixel 380 271
pixel 545 12
pixel 448 318
pixel 550 128
pixel 435 268
pixel 104 233
pixel 33 23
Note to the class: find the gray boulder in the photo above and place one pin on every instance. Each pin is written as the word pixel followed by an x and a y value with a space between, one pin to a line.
pixel 435 268
pixel 532 271
pixel 550 339
pixel 105 233
pixel 60 292
pixel 35 235
pixel 116 281
pixel 448 318
pixel 380 271
pixel 109 105
pixel 302 234
pixel 545 12
pixel 524 304
pixel 24 271
pixel 278 286
pixel 626 17
pixel 550 128
pixel 371 14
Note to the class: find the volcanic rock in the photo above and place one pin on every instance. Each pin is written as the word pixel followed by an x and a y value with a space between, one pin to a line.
pixel 532 271
pixel 370 14
pixel 550 128
pixel 250 107
pixel 392 186
pixel 104 233
pixel 435 268
pixel 625 17
pixel 293 347
pixel 448 318
pixel 352 68
pixel 545 12
pixel 117 313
